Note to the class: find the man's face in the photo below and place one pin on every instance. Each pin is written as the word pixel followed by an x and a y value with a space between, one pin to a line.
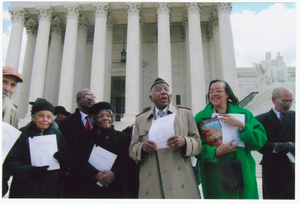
pixel 160 95
pixel 284 96
pixel 87 100
pixel 9 85
pixel 59 117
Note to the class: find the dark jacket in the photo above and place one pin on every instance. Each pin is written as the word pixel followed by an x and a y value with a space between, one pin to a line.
pixel 18 164
pixel 115 142
pixel 277 173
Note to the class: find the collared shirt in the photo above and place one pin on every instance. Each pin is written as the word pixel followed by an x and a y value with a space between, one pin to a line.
pixel 277 113
pixel 165 110
pixel 83 119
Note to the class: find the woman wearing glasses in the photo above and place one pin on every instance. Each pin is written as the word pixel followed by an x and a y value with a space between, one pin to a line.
pixel 250 135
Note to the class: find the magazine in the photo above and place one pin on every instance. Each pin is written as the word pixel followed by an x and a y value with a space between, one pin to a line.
pixel 211 130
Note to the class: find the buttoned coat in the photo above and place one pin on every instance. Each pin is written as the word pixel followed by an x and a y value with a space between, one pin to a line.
pixel 166 173
pixel 278 175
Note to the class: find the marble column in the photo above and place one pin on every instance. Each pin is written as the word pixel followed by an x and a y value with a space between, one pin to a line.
pixel 196 58
pixel 142 20
pixel 132 93
pixel 188 69
pixel 54 62
pixel 213 20
pixel 108 61
pixel 66 96
pixel 40 54
pixel 81 74
pixel 163 11
pixel 227 46
pixel 31 30
pixel 15 39
pixel 101 11
pixel 209 34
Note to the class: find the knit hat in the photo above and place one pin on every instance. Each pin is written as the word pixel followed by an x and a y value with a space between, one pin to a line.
pixel 11 71
pixel 157 81
pixel 41 104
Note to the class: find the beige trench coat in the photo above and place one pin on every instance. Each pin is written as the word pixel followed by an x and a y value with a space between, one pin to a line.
pixel 166 173
pixel 12 117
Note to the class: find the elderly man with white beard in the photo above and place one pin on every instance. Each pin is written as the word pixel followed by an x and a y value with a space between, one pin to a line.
pixel 10 79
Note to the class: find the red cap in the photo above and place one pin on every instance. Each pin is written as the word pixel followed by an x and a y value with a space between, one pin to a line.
pixel 11 71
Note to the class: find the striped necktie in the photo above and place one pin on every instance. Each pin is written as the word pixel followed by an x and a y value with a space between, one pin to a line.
pixel 280 117
pixel 161 113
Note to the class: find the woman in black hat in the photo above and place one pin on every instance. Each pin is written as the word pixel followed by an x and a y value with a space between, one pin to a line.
pixel 104 135
pixel 33 181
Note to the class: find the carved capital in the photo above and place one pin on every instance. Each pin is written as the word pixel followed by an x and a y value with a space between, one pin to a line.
pixel 57 26
pixel 133 8
pixel 31 27
pixel 17 14
pixel 72 11
pixel 142 21
pixel 83 25
pixel 111 24
pixel 101 9
pixel 90 35
pixel 193 7
pixel 222 7
pixel 44 12
pixel 163 8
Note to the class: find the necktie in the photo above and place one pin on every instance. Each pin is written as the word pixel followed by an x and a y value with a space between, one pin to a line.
pixel 87 124
pixel 161 113
pixel 280 117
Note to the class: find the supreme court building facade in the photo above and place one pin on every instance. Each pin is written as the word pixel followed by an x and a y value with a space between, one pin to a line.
pixel 72 46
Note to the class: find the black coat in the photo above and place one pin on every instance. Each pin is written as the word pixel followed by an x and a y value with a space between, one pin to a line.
pixel 115 142
pixel 18 164
pixel 278 175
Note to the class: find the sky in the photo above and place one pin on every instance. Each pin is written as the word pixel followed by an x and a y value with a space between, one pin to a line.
pixel 257 28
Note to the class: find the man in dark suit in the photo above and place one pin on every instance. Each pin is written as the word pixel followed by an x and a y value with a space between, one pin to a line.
pixel 278 173
pixel 71 127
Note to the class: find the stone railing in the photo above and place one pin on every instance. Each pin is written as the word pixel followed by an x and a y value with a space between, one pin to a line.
pixel 247 99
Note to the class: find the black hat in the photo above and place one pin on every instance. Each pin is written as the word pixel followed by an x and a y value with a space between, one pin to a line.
pixel 32 102
pixel 41 104
pixel 61 109
pixel 100 106
pixel 157 81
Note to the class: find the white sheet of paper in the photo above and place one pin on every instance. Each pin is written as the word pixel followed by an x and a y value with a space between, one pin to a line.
pixel 291 157
pixel 161 130
pixel 10 134
pixel 231 132
pixel 101 159
pixel 42 149
pixel 194 161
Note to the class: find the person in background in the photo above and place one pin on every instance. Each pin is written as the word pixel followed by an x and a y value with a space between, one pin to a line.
pixel 10 79
pixel 103 135
pixel 36 181
pixel 71 127
pixel 224 102
pixel 278 173
pixel 166 172
pixel 60 112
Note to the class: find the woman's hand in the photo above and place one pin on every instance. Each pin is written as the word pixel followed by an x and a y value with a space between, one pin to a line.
pixel 106 178
pixel 175 142
pixel 149 146
pixel 229 119
pixel 226 148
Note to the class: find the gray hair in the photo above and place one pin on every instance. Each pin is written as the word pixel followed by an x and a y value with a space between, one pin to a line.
pixel 34 114
pixel 275 92
pixel 93 118
pixel 78 95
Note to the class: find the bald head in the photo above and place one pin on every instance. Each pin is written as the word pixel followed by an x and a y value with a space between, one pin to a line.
pixel 282 98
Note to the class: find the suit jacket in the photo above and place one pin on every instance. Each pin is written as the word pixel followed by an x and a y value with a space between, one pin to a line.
pixel 72 128
pixel 278 174
pixel 166 173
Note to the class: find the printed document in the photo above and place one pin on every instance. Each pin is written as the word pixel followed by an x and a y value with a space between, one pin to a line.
pixel 9 136
pixel 101 159
pixel 231 132
pixel 42 149
pixel 161 130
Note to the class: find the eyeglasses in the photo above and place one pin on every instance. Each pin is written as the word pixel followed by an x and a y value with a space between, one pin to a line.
pixel 89 96
pixel 217 91
pixel 285 102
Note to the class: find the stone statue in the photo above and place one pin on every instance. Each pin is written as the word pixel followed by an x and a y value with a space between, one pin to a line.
pixel 282 71
pixel 269 67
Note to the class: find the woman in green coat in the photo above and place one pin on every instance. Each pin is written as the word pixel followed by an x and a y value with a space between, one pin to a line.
pixel 252 133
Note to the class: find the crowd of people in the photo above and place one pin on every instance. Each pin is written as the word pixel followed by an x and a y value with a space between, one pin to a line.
pixel 155 157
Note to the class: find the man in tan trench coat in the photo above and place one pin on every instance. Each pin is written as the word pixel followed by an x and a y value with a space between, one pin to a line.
pixel 166 172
